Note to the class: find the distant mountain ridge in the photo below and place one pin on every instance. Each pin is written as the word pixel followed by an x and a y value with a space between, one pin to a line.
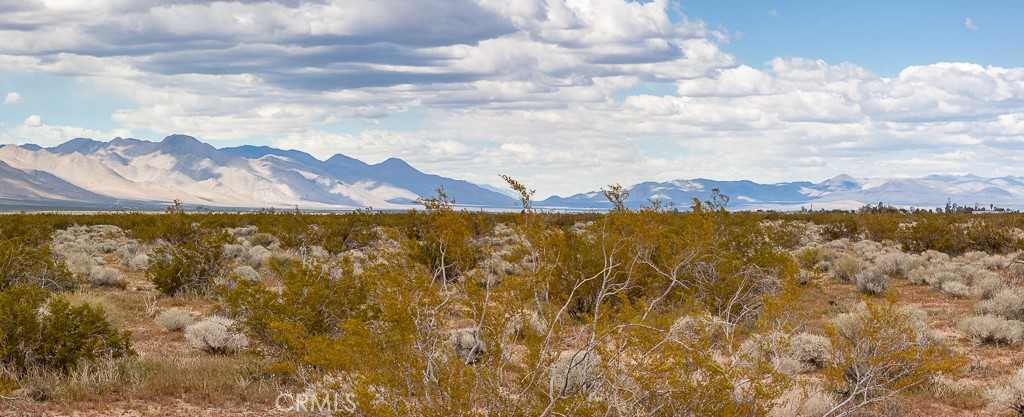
pixel 133 173
pixel 839 192
pixel 138 173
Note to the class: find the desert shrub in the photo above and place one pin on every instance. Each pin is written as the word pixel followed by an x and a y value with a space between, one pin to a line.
pixel 22 263
pixel 992 329
pixel 216 335
pixel 846 268
pixel 801 401
pixel 956 289
pixel 257 256
pixel 872 281
pixel 988 287
pixel 468 344
pixel 104 276
pixel 49 333
pixel 246 272
pixel 174 319
pixel 139 262
pixel 881 349
pixel 810 350
pixel 315 300
pixel 1007 303
pixel 894 263
pixel 233 251
pixel 262 239
pixel 188 266
pixel 1008 397
pixel 574 372
pixel 79 262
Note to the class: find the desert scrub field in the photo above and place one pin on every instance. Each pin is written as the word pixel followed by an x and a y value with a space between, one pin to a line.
pixel 446 312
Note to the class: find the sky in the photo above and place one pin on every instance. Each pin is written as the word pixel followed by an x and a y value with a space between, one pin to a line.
pixel 566 95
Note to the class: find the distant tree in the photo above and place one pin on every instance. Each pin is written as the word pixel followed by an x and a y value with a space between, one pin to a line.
pixel 617 195
pixel 439 202
pixel 525 194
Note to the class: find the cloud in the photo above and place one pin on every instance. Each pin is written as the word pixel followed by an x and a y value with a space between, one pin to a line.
pixel 34 130
pixel 969 24
pixel 553 92
pixel 12 98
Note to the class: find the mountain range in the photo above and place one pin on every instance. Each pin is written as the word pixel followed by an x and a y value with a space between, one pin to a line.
pixel 139 174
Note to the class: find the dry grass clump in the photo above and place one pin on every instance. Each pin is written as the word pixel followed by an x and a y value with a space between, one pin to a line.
pixel 216 335
pixel 174 319
pixel 992 329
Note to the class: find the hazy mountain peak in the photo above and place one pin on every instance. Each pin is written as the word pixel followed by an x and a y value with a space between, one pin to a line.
pixel 91 172
pixel 83 146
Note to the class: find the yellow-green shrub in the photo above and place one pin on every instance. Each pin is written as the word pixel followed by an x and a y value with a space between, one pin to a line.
pixel 43 331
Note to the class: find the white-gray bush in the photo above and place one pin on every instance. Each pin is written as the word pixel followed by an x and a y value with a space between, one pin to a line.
pixel 956 289
pixel 811 350
pixel 468 344
pixel 872 281
pixel 174 319
pixel 139 262
pixel 846 268
pixel 574 372
pixel 988 287
pixel 79 263
pixel 800 401
pixel 1009 396
pixel 232 251
pixel 215 335
pixel 104 276
pixel 893 263
pixel 258 256
pixel 992 329
pixel 1008 303
pixel 246 272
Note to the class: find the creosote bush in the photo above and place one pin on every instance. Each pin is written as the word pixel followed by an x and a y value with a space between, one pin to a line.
pixel 881 349
pixel 40 331
pixel 187 266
